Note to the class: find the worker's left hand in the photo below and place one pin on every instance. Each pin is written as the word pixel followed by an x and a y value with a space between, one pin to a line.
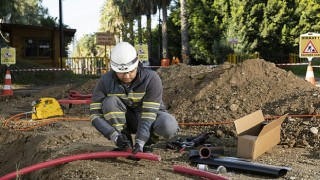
pixel 137 148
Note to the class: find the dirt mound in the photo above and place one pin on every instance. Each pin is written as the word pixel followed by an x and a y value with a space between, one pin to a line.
pixel 193 94
pixel 231 91
pixel 228 92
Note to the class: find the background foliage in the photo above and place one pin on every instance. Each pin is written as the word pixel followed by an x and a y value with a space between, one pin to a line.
pixel 27 12
pixel 268 27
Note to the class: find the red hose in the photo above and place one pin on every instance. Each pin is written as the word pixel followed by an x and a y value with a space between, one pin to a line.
pixel 197 172
pixel 112 154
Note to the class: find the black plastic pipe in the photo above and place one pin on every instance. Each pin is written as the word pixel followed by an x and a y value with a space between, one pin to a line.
pixel 240 164
pixel 206 152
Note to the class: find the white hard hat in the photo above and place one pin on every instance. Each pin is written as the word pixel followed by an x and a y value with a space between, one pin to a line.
pixel 124 57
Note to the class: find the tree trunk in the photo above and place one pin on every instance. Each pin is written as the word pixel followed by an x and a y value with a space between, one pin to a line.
pixel 124 31
pixel 164 31
pixel 149 38
pixel 139 30
pixel 185 49
pixel 131 32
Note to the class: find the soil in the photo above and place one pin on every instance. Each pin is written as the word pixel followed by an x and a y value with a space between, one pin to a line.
pixel 193 94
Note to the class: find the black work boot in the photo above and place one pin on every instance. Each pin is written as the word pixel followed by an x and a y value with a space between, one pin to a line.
pixel 153 139
pixel 147 149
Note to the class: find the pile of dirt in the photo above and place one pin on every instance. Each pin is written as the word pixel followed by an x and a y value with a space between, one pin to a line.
pixel 193 94
pixel 228 92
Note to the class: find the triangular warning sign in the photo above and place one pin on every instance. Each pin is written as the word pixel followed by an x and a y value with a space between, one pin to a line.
pixel 310 48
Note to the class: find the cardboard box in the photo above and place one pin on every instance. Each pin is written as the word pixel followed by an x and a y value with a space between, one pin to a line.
pixel 255 135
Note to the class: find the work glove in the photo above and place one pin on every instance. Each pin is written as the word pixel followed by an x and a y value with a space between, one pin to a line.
pixel 137 148
pixel 122 142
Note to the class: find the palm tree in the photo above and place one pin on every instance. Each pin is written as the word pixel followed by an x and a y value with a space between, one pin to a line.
pixel 164 5
pixel 139 8
pixel 185 49
pixel 118 14
pixel 148 8
pixel 111 19
pixel 127 10
pixel 143 7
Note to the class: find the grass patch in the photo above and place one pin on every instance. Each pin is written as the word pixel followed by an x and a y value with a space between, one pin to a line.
pixel 301 70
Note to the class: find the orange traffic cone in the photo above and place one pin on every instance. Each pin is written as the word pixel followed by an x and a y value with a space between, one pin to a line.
pixel 310 75
pixel 7 88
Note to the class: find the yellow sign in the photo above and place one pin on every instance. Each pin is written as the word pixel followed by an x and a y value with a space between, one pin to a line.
pixel 8 56
pixel 309 45
pixel 142 50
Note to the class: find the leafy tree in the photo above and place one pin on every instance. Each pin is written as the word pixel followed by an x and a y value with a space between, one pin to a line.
pixel 49 21
pixel 206 29
pixel 111 19
pixel 28 12
pixel 273 25
pixel 86 46
pixel 306 17
pixel 6 7
pixel 245 19
pixel 269 27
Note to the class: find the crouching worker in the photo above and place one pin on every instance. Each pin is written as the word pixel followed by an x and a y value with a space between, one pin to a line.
pixel 128 100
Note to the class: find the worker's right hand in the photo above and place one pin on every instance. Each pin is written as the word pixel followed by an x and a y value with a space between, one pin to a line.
pixel 123 142
pixel 137 148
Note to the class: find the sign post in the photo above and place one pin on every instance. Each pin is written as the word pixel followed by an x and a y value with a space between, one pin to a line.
pixel 8 56
pixel 106 39
pixel 309 47
pixel 233 41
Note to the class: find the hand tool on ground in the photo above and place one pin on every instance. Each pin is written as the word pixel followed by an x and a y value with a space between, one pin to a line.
pixel 181 144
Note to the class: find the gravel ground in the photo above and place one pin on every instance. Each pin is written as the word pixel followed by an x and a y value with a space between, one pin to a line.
pixel 193 94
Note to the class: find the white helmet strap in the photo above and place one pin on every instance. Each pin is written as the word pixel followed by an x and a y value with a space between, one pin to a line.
pixel 124 67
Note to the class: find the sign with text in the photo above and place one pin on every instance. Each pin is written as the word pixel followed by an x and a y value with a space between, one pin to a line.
pixel 105 38
pixel 309 45
pixel 142 50
pixel 8 56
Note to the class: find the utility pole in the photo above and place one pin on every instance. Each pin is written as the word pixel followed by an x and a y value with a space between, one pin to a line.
pixel 61 33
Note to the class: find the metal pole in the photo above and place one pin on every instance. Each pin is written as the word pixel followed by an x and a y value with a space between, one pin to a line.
pixel 105 57
pixel 61 33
